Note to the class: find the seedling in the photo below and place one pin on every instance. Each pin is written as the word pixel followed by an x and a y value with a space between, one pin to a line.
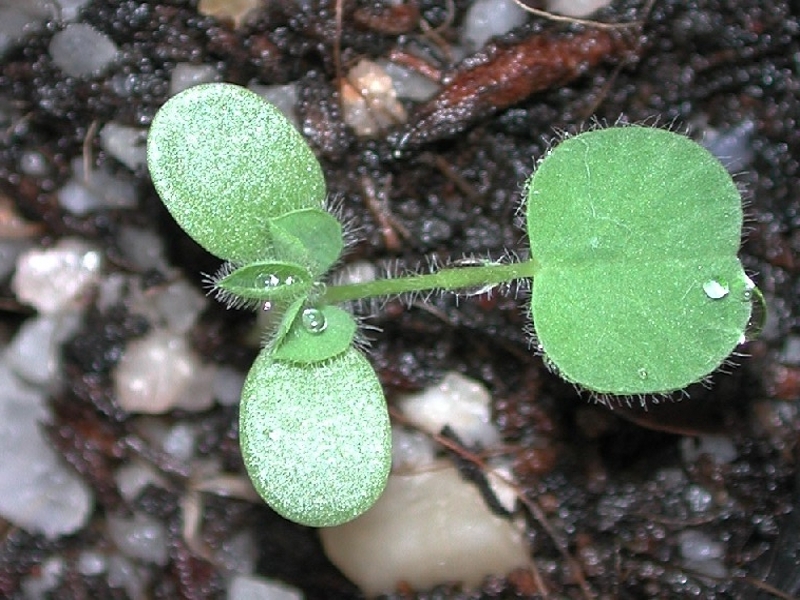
pixel 637 287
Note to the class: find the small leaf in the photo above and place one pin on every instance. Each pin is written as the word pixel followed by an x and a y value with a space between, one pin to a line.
pixel 275 281
pixel 631 227
pixel 224 162
pixel 316 335
pixel 317 231
pixel 315 439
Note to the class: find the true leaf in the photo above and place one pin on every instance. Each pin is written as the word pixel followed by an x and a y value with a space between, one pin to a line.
pixel 275 281
pixel 316 334
pixel 315 440
pixel 315 233
pixel 224 162
pixel 638 288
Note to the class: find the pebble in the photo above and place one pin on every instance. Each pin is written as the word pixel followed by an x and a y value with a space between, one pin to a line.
pixel 34 353
pixel 58 278
pixel 427 529
pixel 100 190
pixel 81 51
pixel 490 18
pixel 160 372
pixel 186 75
pixel 576 8
pixel 458 401
pixel 38 491
pixel 140 537
pixel 250 587
pixel 126 144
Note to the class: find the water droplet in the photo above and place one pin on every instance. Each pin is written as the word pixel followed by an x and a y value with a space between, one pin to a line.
pixel 269 281
pixel 267 306
pixel 642 373
pixel 314 320
pixel 317 291
pixel 715 290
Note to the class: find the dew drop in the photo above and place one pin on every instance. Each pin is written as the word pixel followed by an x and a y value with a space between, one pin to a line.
pixel 269 281
pixel 715 290
pixel 642 373
pixel 267 306
pixel 314 320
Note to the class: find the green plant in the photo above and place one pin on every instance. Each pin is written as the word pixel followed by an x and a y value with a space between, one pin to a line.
pixel 637 288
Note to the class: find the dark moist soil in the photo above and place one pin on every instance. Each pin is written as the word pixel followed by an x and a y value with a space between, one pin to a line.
pixel 448 184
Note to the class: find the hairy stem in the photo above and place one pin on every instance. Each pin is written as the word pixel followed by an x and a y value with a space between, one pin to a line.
pixel 451 279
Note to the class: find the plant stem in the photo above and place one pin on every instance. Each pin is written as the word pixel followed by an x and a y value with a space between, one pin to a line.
pixel 453 278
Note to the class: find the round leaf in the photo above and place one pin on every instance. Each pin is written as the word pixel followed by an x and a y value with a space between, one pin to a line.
pixel 224 162
pixel 315 439
pixel 639 288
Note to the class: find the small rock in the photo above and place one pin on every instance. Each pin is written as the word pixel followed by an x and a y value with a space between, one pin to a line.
pixel 140 537
pixel 249 587
pixel 159 373
pixel 457 401
pixel 81 51
pixel 490 18
pixel 186 75
pixel 58 278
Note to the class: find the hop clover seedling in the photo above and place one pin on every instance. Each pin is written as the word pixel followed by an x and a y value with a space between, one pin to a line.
pixel 637 287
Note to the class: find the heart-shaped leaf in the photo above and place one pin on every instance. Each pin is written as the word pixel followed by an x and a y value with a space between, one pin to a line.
pixel 224 162
pixel 638 288
pixel 315 439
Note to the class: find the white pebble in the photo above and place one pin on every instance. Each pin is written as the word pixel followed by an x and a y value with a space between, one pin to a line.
pixel 462 403
pixel 186 75
pixel 283 97
pixel 33 163
pixel 91 563
pixel 70 8
pixel 38 586
pixel 57 278
pixel 409 84
pixel 127 144
pixel 141 537
pixel 38 491
pixel 238 554
pixel 132 478
pixel 228 384
pixel 179 441
pixel 134 579
pixel 143 247
pixel 175 306
pixel 35 352
pixel 790 355
pixel 159 372
pixel 426 529
pixel 411 450
pixel 100 190
pixel 576 8
pixel 80 50
pixel 19 18
pixel 719 447
pixel 490 18
pixel 696 545
pixel 251 587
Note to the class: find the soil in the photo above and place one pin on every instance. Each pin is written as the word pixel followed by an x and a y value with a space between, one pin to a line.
pixel 447 184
